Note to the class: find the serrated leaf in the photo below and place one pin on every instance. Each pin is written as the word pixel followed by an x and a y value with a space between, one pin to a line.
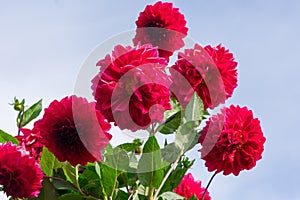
pixel 195 109
pixel 5 137
pixel 49 162
pixel 150 172
pixel 30 114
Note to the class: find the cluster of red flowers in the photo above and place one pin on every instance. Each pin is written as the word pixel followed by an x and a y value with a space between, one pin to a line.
pixel 71 129
pixel 132 90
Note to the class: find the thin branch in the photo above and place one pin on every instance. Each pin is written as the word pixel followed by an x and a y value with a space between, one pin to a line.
pixel 213 176
pixel 167 176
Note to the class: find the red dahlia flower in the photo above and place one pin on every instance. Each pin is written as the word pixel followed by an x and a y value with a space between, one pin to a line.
pixel 31 141
pixel 188 187
pixel 226 65
pixel 195 71
pixel 131 88
pixel 20 174
pixel 163 26
pixel 232 141
pixel 74 131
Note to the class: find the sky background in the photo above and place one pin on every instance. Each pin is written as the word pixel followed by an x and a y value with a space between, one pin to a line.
pixel 44 43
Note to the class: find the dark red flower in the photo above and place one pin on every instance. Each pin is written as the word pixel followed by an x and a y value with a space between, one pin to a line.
pixel 188 187
pixel 74 131
pixel 195 71
pixel 163 26
pixel 232 141
pixel 131 88
pixel 20 174
pixel 31 141
pixel 226 65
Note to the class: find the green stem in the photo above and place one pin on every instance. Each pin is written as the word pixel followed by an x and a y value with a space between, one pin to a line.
pixel 213 176
pixel 150 194
pixel 21 120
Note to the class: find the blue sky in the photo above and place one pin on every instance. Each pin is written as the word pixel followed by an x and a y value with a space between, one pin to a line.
pixel 43 44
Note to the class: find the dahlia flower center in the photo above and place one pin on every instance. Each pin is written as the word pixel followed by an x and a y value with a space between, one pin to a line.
pixel 154 23
pixel 239 138
pixel 159 33
pixel 68 136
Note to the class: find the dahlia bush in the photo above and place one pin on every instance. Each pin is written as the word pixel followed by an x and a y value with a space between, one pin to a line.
pixel 68 152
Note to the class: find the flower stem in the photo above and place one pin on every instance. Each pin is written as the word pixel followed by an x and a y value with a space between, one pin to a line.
pixel 20 122
pixel 166 177
pixel 206 188
pixel 150 194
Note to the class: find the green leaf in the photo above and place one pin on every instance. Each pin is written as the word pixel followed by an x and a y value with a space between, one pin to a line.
pixel 5 137
pixel 129 147
pixel 121 195
pixel 187 136
pixel 48 191
pixel 109 180
pixel 119 160
pixel 193 198
pixel 127 179
pixel 110 170
pixel 171 124
pixel 176 107
pixel 170 152
pixel 195 109
pixel 71 196
pixel 71 173
pixel 30 114
pixel 150 172
pixel 49 162
pixel 171 196
pixel 93 189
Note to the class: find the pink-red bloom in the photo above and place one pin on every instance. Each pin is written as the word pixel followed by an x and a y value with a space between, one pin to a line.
pixel 20 174
pixel 31 141
pixel 163 26
pixel 195 71
pixel 74 131
pixel 131 88
pixel 227 66
pixel 232 141
pixel 188 187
